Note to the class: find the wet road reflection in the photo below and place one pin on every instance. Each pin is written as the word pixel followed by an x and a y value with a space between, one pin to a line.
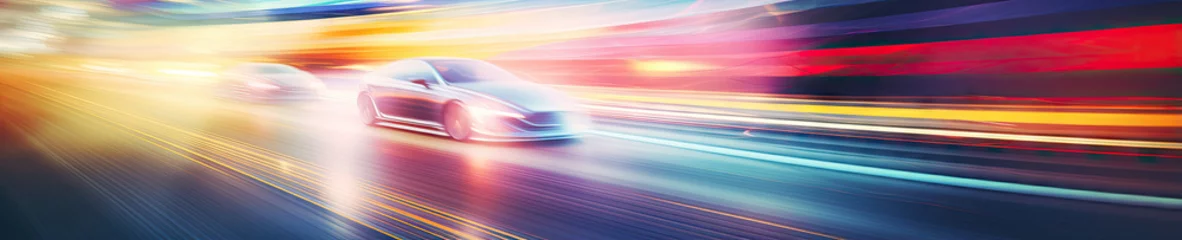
pixel 134 161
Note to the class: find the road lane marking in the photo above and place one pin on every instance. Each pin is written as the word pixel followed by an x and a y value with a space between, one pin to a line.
pixel 1067 193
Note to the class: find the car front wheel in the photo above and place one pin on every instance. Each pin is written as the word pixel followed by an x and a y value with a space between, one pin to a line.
pixel 457 122
pixel 369 115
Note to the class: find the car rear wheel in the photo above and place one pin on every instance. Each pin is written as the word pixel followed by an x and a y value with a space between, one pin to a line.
pixel 369 115
pixel 457 122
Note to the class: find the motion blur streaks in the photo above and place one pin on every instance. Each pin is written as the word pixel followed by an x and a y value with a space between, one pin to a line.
pixel 743 119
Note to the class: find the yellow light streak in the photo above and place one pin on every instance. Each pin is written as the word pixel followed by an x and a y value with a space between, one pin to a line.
pixel 903 130
pixel 668 66
pixel 1031 117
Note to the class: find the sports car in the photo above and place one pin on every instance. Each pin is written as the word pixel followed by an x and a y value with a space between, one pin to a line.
pixel 269 82
pixel 467 100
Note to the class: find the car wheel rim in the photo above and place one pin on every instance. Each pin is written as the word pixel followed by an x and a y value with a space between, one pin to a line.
pixel 367 111
pixel 457 124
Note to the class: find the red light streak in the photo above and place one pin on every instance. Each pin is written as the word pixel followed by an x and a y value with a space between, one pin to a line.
pixel 1112 49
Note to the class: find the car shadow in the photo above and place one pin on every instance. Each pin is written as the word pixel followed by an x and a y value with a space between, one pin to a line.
pixel 512 144
pixel 534 144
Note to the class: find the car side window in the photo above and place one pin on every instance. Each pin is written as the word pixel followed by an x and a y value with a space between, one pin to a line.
pixel 407 71
pixel 401 71
pixel 388 72
pixel 411 70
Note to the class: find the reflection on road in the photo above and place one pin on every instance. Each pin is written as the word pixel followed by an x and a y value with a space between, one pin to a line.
pixel 163 162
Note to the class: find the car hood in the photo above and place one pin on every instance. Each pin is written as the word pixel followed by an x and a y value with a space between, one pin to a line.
pixel 528 96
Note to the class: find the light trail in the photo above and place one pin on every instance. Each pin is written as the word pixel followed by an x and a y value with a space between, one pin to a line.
pixel 886 129
pixel 1073 103
pixel 268 165
pixel 1032 117
pixel 1067 193
pixel 902 130
pixel 260 164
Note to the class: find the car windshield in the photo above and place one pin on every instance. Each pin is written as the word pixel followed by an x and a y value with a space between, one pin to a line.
pixel 467 71
pixel 275 69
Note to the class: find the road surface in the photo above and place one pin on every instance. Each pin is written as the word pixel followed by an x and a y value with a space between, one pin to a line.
pixel 91 157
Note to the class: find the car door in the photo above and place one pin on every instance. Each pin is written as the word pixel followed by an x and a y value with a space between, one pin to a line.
pixel 423 103
pixel 397 97
pixel 382 85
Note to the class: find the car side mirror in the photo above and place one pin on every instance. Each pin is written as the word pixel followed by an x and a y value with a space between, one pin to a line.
pixel 421 82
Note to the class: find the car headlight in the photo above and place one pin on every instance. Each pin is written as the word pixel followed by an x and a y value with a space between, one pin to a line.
pixel 489 118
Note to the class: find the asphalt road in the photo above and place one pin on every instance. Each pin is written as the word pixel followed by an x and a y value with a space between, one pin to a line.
pixel 98 158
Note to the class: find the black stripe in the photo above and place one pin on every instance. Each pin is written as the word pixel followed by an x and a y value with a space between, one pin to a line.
pixel 758 17
pixel 862 11
pixel 1121 83
pixel 1143 15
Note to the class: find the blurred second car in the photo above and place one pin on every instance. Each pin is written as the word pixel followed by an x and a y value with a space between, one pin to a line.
pixel 269 82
